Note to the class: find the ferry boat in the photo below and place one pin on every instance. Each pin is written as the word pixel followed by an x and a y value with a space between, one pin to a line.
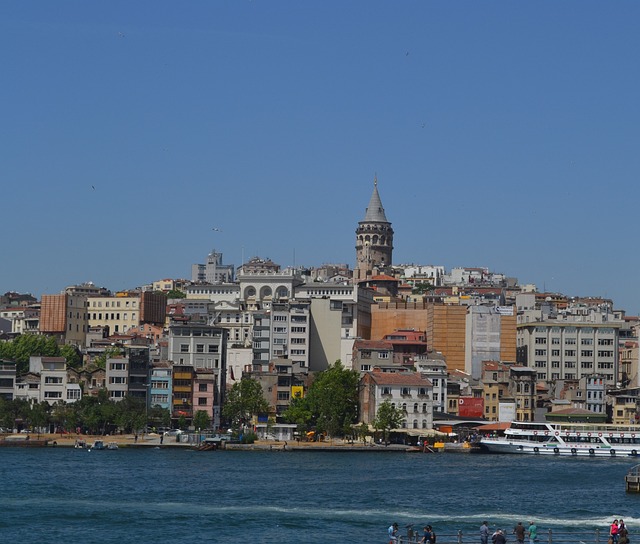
pixel 570 439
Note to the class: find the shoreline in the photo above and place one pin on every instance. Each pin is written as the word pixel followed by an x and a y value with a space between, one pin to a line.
pixel 152 440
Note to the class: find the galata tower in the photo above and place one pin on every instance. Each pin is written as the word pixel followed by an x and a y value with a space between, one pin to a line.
pixel 374 240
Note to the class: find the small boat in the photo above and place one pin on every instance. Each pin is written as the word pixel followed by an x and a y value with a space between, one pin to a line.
pixel 80 445
pixel 566 439
pixel 112 446
pixel 98 445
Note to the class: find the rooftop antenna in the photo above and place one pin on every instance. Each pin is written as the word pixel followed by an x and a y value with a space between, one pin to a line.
pixel 294 257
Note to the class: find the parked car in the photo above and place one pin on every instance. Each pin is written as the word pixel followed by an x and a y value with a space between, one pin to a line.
pixel 173 432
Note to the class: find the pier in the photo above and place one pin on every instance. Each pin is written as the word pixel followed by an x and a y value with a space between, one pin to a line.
pixel 632 480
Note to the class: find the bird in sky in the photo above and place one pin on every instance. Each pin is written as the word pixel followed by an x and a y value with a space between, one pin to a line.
pixel 93 187
pixel 121 34
pixel 216 229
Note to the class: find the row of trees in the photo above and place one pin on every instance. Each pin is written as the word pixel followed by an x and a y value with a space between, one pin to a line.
pixel 24 346
pixel 92 415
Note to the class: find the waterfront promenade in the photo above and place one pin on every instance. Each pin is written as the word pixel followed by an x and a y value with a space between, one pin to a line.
pixel 154 440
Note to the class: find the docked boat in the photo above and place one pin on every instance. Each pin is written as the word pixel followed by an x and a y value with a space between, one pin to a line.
pixel 569 439
pixel 98 445
pixel 112 446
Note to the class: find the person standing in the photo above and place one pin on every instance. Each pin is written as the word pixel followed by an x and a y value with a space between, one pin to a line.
pixel 519 531
pixel 498 537
pixel 622 533
pixel 426 535
pixel 484 532
pixel 393 533
pixel 533 532
pixel 613 531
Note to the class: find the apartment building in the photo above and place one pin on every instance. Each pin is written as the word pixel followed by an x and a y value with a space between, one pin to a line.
pixel 127 310
pixel 282 333
pixel 566 346
pixel 213 271
pixel 407 391
pixel 339 314
pixel 7 379
pixel 127 374
pixel 65 316
pixel 24 319
pixel 197 347
pixel 161 385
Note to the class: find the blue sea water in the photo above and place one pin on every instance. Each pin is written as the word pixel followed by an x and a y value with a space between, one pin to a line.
pixel 128 495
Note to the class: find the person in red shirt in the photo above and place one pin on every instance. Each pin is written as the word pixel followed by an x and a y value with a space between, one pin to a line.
pixel 613 532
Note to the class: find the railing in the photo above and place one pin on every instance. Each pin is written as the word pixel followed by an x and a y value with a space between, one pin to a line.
pixel 549 536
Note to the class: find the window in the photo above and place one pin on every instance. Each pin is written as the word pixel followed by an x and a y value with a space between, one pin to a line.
pixel 199 348
pixel 366 354
pixel 213 348
pixel 202 401
pixel 383 355
pixel 540 340
pixel 386 391
pixel 202 387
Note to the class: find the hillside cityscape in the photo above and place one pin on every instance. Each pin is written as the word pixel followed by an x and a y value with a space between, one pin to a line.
pixel 438 346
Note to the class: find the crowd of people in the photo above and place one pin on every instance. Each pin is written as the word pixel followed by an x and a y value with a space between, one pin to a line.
pixel 618 534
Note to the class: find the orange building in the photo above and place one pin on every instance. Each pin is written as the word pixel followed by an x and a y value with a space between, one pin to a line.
pixel 446 332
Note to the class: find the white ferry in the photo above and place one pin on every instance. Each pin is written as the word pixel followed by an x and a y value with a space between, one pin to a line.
pixel 575 439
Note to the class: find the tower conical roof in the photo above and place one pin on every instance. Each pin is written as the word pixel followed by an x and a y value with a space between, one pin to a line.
pixel 375 211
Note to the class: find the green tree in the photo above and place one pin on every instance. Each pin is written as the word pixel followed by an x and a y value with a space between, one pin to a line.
pixel 201 420
pixel 26 345
pixel 299 412
pixel 422 288
pixel 362 431
pixel 388 417
pixel 72 355
pixel 175 293
pixel 109 353
pixel 244 400
pixel 333 400
pixel 39 415
pixel 159 417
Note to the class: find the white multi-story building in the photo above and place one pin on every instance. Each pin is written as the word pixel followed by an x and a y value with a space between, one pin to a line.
pixel 24 320
pixel 569 347
pixel 433 366
pixel 340 314
pixel 47 381
pixel 408 391
pixel 282 332
pixel 213 271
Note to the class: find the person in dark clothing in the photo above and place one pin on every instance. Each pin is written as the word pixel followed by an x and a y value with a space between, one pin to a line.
pixel 519 531
pixel 498 537
pixel 426 535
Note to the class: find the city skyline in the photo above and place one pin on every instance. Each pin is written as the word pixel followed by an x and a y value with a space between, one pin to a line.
pixel 501 135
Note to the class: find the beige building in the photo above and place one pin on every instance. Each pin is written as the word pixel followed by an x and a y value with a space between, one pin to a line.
pixel 65 315
pixel 125 311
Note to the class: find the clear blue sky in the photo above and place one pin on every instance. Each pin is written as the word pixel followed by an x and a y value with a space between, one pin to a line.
pixel 503 134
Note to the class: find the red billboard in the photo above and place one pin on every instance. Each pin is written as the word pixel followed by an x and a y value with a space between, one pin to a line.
pixel 471 407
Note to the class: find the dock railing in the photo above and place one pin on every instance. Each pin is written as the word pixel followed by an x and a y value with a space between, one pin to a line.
pixel 549 536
